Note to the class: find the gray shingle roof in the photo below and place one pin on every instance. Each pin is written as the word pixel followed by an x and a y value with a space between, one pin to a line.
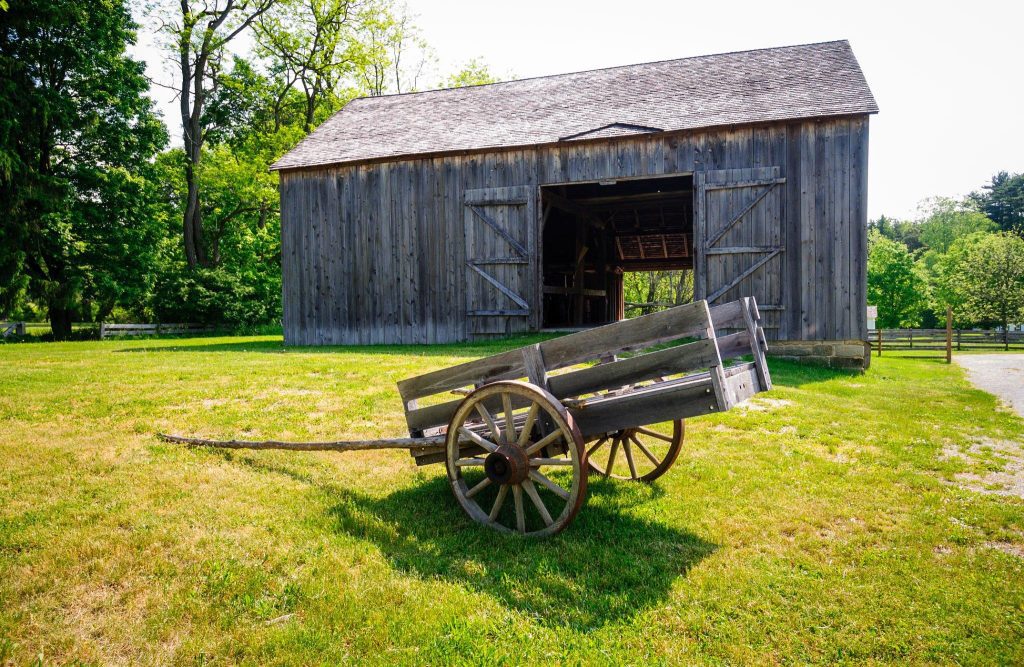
pixel 765 85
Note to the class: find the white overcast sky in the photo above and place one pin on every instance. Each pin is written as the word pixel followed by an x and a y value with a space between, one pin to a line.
pixel 948 76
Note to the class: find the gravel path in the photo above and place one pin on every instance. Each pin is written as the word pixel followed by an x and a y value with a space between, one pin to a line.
pixel 999 374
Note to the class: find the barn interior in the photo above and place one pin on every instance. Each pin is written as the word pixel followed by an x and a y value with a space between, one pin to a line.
pixel 595 233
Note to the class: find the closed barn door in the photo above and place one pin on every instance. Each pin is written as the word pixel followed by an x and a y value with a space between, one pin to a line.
pixel 738 231
pixel 501 260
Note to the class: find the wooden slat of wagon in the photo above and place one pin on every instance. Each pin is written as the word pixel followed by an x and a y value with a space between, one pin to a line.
pixel 626 335
pixel 667 402
pixel 561 352
pixel 701 354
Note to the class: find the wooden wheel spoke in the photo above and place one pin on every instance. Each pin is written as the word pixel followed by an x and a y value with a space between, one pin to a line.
pixel 498 502
pixel 517 493
pixel 483 484
pixel 611 457
pixel 646 451
pixel 462 463
pixel 477 439
pixel 549 439
pixel 510 427
pixel 628 451
pixel 597 446
pixel 482 409
pixel 655 434
pixel 538 462
pixel 531 491
pixel 544 481
pixel 531 417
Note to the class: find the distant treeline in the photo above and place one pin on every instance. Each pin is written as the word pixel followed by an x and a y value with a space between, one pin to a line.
pixel 967 254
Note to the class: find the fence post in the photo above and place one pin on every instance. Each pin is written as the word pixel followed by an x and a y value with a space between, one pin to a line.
pixel 1006 337
pixel 911 332
pixel 103 330
pixel 20 329
pixel 949 335
pixel 879 332
pixel 958 332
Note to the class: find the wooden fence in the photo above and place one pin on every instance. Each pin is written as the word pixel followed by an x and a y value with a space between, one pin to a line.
pixel 114 330
pixel 12 328
pixel 943 340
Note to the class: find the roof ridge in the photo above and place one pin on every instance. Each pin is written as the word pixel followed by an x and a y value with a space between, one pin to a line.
pixel 769 84
pixel 598 69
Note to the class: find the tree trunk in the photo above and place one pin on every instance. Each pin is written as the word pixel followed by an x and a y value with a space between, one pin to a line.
pixel 193 221
pixel 60 317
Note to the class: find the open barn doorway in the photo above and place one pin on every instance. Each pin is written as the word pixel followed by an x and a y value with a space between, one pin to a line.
pixel 607 243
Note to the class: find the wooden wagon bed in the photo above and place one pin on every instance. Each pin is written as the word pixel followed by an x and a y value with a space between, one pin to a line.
pixel 595 394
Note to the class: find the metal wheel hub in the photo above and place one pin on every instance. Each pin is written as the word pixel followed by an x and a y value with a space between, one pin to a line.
pixel 508 464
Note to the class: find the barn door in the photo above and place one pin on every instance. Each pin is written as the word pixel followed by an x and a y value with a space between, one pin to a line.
pixel 739 236
pixel 501 260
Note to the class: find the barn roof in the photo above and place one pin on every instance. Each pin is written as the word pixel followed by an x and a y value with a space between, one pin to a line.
pixel 784 83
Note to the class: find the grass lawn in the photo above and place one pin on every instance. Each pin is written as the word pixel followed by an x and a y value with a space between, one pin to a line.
pixel 839 518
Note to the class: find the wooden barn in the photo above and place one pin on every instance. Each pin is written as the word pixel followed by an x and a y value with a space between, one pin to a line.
pixel 518 206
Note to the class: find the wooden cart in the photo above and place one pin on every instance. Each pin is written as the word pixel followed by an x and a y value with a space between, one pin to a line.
pixel 533 423
pixel 537 420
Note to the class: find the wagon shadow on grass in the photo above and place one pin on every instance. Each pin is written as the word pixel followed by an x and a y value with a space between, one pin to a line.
pixel 606 567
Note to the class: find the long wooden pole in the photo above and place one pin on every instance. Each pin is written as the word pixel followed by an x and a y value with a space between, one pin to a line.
pixel 335 446
pixel 949 334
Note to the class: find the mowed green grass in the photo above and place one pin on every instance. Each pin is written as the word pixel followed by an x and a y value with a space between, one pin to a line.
pixel 822 524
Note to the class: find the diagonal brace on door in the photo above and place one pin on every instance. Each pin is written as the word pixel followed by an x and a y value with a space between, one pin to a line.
pixel 516 245
pixel 501 288
pixel 746 209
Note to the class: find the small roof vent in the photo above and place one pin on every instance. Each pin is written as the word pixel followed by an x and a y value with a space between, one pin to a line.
pixel 611 130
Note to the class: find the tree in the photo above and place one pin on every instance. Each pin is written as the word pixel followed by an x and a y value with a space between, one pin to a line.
pixel 906 232
pixel 1002 200
pixel 659 289
pixel 982 278
pixel 947 219
pixel 76 137
pixel 199 32
pixel 395 53
pixel 473 73
pixel 895 284
pixel 313 46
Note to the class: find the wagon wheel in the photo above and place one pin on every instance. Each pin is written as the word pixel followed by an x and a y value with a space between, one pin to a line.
pixel 643 453
pixel 524 468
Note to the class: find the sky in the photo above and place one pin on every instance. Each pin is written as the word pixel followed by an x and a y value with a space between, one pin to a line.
pixel 947 75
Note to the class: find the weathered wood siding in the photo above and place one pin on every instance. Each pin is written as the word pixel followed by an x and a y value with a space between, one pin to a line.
pixel 375 253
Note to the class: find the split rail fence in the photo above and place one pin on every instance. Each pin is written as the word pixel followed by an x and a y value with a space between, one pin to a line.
pixel 943 340
pixel 114 330
pixel 12 329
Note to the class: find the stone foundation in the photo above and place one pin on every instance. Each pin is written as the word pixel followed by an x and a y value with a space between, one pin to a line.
pixel 852 354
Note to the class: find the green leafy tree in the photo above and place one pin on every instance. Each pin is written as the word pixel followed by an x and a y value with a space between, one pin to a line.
pixel 313 46
pixel 1002 200
pixel 76 137
pixel 907 232
pixel 198 34
pixel 656 290
pixel 947 220
pixel 895 283
pixel 473 73
pixel 982 278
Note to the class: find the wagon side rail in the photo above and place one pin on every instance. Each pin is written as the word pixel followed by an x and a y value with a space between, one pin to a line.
pixel 715 387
